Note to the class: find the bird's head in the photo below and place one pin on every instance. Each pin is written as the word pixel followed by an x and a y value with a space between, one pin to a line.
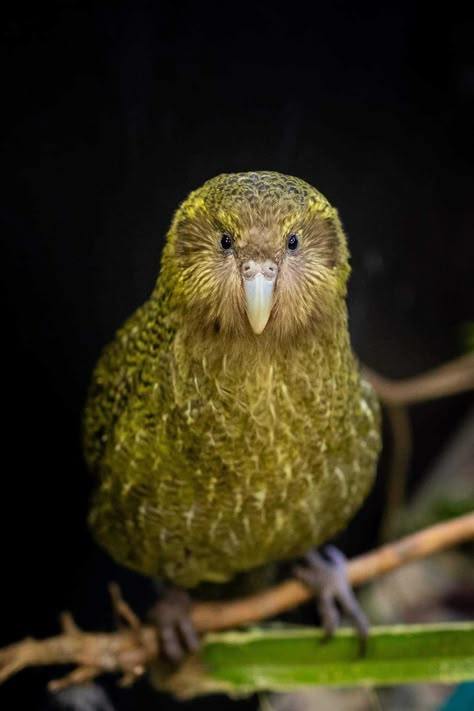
pixel 259 254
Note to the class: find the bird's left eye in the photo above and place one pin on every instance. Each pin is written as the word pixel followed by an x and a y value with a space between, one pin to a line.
pixel 226 241
pixel 292 242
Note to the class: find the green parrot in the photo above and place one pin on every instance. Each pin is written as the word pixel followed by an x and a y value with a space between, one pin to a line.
pixel 227 423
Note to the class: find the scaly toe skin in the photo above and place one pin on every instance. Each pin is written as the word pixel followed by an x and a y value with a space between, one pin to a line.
pixel 327 578
pixel 176 632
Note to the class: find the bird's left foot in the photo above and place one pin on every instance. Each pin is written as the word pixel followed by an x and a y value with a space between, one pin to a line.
pixel 326 576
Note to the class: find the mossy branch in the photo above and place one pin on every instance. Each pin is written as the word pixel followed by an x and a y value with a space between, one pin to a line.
pixel 130 652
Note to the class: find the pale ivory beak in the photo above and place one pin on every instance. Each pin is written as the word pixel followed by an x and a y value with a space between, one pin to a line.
pixel 259 295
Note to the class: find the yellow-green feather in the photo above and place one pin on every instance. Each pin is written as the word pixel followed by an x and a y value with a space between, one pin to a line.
pixel 217 455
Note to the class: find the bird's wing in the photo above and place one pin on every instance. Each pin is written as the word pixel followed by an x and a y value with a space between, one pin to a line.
pixel 115 378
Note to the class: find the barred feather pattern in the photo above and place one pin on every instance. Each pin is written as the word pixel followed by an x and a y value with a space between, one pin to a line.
pixel 215 455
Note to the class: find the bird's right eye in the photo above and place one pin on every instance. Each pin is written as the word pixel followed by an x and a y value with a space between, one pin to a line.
pixel 226 241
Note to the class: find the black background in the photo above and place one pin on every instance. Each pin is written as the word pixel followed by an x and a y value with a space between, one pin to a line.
pixel 111 114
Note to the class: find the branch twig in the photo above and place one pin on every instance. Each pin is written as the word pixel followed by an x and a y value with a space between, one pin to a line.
pixel 453 377
pixel 131 650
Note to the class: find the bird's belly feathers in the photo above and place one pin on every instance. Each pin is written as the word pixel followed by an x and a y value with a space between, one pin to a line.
pixel 235 475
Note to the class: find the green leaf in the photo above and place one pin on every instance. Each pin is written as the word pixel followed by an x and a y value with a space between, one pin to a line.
pixel 289 658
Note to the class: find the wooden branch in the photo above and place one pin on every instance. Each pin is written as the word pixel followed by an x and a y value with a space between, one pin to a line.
pixel 132 650
pixel 453 377
pixel 217 616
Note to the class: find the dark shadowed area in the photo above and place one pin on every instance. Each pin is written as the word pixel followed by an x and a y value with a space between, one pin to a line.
pixel 111 115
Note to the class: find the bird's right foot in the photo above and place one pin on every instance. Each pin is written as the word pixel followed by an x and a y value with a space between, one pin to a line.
pixel 177 635
pixel 327 578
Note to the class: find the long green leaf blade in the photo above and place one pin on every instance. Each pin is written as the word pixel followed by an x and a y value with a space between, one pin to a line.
pixel 284 659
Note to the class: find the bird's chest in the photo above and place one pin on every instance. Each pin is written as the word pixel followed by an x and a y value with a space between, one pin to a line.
pixel 257 435
pixel 235 468
pixel 250 465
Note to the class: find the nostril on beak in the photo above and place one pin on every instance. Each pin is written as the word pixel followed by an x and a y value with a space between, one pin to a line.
pixel 249 269
pixel 270 269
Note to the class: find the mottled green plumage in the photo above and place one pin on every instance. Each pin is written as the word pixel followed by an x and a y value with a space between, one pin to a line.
pixel 218 450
